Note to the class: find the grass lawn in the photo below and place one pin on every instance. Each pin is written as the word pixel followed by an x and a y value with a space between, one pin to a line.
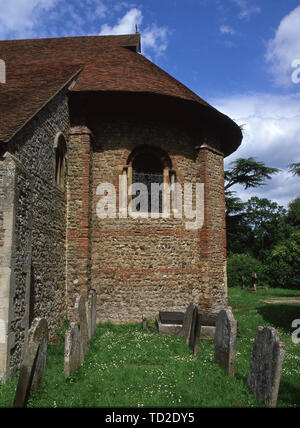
pixel 130 367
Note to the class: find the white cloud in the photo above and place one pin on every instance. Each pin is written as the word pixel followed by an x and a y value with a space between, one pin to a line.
pixel 58 18
pixel 154 38
pixel 271 134
pixel 20 16
pixel 100 10
pixel 245 9
pixel 284 48
pixel 125 25
pixel 226 29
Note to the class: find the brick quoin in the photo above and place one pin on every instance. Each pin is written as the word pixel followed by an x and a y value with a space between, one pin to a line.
pixel 78 212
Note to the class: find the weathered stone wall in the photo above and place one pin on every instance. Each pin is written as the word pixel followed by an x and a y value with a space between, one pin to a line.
pixel 38 235
pixel 22 238
pixel 142 266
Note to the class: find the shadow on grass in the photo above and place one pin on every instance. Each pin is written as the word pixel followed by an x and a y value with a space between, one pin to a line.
pixel 288 293
pixel 280 316
pixel 289 394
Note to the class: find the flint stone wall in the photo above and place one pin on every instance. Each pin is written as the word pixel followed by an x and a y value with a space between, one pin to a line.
pixel 33 234
pixel 143 266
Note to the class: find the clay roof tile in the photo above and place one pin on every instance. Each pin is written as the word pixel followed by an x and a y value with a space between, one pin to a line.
pixel 38 68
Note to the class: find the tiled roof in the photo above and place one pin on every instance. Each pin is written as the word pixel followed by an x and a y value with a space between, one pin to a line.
pixel 27 89
pixel 38 68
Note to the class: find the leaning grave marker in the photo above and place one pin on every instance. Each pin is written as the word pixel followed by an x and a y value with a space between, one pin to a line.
pixel 34 362
pixel 205 328
pixel 80 332
pixel 91 313
pixel 72 354
pixel 188 322
pixel 225 340
pixel 80 317
pixel 266 364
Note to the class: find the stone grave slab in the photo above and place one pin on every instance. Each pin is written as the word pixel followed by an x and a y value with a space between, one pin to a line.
pixel 72 353
pixel 205 328
pixel 195 325
pixel 225 340
pixel 91 312
pixel 208 325
pixel 169 322
pixel 144 322
pixel 266 365
pixel 171 317
pixel 80 318
pixel 189 322
pixel 33 364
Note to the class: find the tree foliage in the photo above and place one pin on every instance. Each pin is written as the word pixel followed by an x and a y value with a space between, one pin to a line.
pixel 294 168
pixel 240 268
pixel 293 215
pixel 282 267
pixel 261 234
pixel 248 173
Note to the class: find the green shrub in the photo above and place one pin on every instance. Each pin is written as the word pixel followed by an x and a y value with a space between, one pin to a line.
pixel 282 265
pixel 242 265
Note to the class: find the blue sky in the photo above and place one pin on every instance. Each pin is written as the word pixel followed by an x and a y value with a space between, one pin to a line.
pixel 236 54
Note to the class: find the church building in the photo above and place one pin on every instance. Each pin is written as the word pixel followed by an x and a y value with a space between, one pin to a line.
pixel 87 124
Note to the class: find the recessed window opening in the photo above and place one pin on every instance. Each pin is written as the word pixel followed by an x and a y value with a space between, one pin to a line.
pixel 60 161
pixel 147 168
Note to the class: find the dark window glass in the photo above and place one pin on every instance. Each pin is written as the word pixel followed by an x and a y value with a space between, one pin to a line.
pixel 147 169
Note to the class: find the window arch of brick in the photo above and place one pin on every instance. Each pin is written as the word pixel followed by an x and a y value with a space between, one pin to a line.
pixel 60 150
pixel 148 164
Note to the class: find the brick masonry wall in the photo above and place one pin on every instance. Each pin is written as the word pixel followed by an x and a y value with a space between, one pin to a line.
pixel 142 266
pixel 78 214
pixel 213 234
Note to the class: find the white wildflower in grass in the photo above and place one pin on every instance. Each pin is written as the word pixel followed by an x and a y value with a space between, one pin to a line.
pixel 133 367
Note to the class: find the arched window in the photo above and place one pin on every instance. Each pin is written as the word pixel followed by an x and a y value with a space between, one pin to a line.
pixel 148 171
pixel 60 150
